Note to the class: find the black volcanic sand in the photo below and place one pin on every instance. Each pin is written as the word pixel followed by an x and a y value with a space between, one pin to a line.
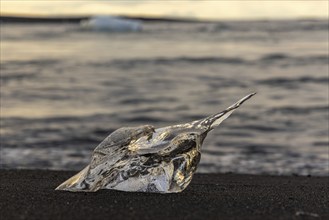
pixel 30 194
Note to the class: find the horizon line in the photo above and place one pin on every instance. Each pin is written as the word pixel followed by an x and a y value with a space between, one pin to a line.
pixel 149 17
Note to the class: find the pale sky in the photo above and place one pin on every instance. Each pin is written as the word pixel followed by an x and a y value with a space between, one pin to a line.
pixel 207 9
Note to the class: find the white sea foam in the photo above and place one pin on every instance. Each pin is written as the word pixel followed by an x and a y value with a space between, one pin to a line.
pixel 111 23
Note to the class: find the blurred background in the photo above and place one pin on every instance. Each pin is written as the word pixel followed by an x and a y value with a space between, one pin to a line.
pixel 72 72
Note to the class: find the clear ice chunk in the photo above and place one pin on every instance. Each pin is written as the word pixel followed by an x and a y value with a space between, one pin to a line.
pixel 144 159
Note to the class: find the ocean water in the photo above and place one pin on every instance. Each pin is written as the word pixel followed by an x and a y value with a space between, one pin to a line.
pixel 63 90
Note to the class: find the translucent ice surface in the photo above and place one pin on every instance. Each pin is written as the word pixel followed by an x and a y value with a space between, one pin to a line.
pixel 146 159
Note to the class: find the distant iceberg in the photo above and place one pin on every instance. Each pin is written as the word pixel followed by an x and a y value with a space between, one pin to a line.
pixel 111 23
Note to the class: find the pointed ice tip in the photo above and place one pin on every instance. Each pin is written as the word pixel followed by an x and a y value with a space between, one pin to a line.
pixel 240 102
pixel 215 120
pixel 237 104
pixel 249 96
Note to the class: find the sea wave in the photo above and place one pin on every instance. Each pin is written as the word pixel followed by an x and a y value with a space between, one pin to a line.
pixel 265 59
pixel 283 81
pixel 266 26
pixel 299 109
pixel 130 62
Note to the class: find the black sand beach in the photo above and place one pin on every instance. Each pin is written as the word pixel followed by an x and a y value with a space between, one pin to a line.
pixel 30 194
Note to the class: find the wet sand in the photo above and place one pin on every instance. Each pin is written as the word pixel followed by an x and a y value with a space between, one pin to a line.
pixel 30 194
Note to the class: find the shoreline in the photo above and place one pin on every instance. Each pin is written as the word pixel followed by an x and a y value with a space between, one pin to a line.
pixel 30 194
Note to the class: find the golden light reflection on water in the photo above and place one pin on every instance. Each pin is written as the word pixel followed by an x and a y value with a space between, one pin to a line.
pixel 48 111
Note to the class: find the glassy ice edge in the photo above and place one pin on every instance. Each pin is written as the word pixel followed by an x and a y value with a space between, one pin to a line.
pixel 146 159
